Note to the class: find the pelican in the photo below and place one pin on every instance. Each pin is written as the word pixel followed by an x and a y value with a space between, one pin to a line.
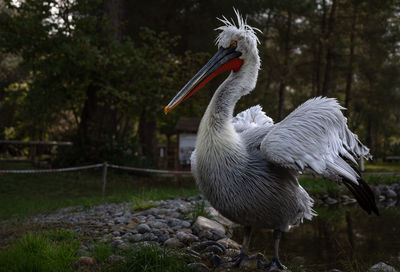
pixel 247 166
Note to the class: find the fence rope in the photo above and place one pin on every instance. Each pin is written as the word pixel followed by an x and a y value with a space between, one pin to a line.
pixel 149 170
pixel 34 171
pixel 77 168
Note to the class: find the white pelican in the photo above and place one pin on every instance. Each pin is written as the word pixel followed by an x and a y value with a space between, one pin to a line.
pixel 247 166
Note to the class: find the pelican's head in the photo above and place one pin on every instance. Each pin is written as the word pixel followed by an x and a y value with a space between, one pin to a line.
pixel 237 47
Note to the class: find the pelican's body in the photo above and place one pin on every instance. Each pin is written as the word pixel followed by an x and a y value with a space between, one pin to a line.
pixel 247 166
pixel 233 174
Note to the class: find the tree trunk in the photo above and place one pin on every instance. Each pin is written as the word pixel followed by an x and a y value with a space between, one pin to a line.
pixel 285 70
pixel 320 49
pixel 329 52
pixel 349 76
pixel 115 10
pixel 148 136
pixel 98 127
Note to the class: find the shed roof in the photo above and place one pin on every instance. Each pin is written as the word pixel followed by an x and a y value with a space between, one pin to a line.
pixel 186 124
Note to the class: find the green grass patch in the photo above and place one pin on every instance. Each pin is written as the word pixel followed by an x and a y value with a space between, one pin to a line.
pixel 101 251
pixel 319 186
pixel 154 259
pixel 24 195
pixel 54 251
pixel 380 166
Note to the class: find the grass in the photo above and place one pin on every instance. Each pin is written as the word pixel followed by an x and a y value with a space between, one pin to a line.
pixel 154 259
pixel 101 251
pixel 379 166
pixel 51 251
pixel 23 195
pixel 56 251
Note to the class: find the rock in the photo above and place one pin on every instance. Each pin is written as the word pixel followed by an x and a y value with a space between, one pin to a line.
pixel 346 200
pixel 163 237
pixel 185 224
pixel 157 224
pixel 203 223
pixel 115 233
pixel 85 261
pixel 143 228
pixel 229 243
pixel 150 237
pixel 215 260
pixel 193 253
pixel 203 245
pixel 115 259
pixel 136 238
pixel 331 201
pixel 172 222
pixel 232 252
pixel 198 267
pixel 217 235
pixel 116 243
pixel 173 243
pixel 219 217
pixel 215 249
pixel 206 235
pixel 195 198
pixel 186 238
pixel 124 246
pixel 382 267
pixel 390 194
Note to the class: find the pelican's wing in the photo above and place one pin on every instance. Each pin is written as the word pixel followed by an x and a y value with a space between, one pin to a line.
pixel 252 125
pixel 250 118
pixel 315 138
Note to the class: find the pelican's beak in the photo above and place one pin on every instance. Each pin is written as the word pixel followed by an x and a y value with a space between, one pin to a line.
pixel 224 60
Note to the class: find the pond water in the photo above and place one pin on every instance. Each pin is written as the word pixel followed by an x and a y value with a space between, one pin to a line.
pixel 345 238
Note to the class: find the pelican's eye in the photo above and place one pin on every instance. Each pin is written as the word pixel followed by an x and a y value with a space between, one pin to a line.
pixel 233 43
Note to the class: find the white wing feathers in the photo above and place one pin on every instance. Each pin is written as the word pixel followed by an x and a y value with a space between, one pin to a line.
pixel 315 138
pixel 250 118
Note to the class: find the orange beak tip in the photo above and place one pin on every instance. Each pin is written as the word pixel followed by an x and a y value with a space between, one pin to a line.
pixel 166 110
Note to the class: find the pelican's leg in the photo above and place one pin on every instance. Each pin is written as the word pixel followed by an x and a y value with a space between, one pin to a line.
pixel 275 264
pixel 244 251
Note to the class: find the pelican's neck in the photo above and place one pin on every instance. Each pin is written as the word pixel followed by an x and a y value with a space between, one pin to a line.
pixel 220 110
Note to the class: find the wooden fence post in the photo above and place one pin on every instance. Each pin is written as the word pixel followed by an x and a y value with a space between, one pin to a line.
pixel 103 189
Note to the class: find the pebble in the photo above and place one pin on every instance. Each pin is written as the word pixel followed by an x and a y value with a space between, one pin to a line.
pixel 382 267
pixel 203 223
pixel 143 228
pixel 173 242
pixel 85 261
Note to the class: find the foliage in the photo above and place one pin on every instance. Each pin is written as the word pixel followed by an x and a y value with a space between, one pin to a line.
pixel 51 251
pixel 140 204
pixel 101 251
pixel 154 259
pixel 71 70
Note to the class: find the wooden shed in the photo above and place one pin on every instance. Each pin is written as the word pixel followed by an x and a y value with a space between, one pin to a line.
pixel 187 131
